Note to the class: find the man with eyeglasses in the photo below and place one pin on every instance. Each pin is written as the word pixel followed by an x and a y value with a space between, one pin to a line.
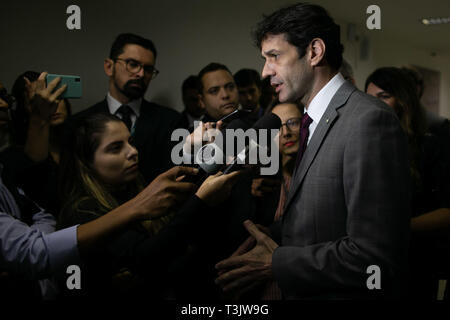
pixel 130 68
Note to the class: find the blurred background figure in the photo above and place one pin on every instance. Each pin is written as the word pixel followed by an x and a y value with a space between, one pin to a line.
pixel 193 110
pixel 6 103
pixel 429 168
pixel 268 94
pixel 32 163
pixel 249 86
pixel 21 115
pixel 435 124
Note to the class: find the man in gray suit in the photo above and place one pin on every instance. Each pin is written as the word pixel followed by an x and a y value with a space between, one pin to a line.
pixel 345 227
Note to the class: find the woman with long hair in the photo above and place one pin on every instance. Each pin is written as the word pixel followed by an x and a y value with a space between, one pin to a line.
pixel 99 173
pixel 430 221
pixel 21 115
pixel 290 115
pixel 32 162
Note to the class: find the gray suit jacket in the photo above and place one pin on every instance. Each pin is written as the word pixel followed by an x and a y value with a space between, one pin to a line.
pixel 348 205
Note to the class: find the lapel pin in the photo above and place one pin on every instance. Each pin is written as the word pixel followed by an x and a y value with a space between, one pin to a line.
pixel 327 120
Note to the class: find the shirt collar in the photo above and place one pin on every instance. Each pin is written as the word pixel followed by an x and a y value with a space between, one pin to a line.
pixel 191 119
pixel 320 102
pixel 114 105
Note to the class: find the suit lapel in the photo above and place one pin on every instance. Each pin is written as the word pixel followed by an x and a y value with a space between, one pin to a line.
pixel 101 107
pixel 329 117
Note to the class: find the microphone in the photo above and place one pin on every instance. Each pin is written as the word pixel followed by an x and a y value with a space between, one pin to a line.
pixel 269 121
pixel 211 159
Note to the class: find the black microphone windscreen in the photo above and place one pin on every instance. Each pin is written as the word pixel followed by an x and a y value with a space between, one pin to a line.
pixel 268 121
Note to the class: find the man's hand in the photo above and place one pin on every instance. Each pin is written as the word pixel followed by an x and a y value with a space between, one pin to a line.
pixel 203 134
pixel 247 245
pixel 215 189
pixel 263 186
pixel 43 102
pixel 250 269
pixel 164 192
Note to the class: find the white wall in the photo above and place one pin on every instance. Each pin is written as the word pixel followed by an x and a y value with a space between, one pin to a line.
pixel 188 34
pixel 385 51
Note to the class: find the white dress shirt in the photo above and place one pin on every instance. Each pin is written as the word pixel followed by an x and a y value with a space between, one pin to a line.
pixel 320 102
pixel 114 105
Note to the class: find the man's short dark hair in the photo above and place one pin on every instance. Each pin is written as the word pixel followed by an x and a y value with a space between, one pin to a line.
pixel 301 23
pixel 191 82
pixel 247 77
pixel 213 66
pixel 129 38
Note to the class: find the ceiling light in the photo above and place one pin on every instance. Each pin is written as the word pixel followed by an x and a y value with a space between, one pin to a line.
pixel 430 21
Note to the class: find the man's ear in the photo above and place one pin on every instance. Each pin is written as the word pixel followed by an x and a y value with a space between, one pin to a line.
pixel 317 52
pixel 108 66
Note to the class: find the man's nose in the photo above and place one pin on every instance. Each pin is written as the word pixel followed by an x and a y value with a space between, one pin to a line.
pixel 141 73
pixel 224 94
pixel 267 71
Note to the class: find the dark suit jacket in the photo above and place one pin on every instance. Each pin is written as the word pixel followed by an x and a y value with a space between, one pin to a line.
pixel 349 204
pixel 153 130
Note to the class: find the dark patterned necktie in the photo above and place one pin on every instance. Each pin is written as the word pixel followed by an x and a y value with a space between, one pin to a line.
pixel 304 133
pixel 125 112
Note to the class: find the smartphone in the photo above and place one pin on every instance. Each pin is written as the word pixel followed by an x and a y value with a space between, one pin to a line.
pixel 73 90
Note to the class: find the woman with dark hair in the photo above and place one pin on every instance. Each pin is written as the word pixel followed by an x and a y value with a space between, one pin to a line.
pixel 94 182
pixel 32 162
pixel 430 223
pixel 21 115
pixel 396 89
pixel 270 194
pixel 99 173
pixel 288 144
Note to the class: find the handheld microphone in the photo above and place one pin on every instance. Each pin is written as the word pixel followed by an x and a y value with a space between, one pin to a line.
pixel 269 121
pixel 211 159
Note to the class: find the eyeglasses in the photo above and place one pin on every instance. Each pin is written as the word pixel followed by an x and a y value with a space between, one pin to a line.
pixel 134 66
pixel 292 124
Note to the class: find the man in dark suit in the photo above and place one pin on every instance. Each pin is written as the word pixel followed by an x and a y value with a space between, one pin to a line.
pixel 344 231
pixel 219 96
pixel 218 92
pixel 130 68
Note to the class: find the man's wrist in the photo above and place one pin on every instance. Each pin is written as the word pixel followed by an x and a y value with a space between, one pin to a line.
pixel 37 122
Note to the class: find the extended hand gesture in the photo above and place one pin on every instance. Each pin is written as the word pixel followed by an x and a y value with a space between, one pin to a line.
pixel 215 189
pixel 246 271
pixel 165 192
